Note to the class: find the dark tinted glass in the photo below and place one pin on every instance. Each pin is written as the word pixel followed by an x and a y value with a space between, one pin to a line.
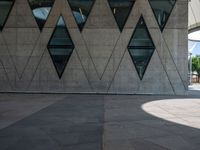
pixel 41 10
pixel 60 46
pixel 60 57
pixel 141 47
pixel 5 7
pixel 141 36
pixel 121 10
pixel 81 10
pixel 60 36
pixel 162 10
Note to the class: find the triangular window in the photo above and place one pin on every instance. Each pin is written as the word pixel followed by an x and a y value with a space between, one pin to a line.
pixel 5 9
pixel 121 10
pixel 81 10
pixel 41 10
pixel 162 10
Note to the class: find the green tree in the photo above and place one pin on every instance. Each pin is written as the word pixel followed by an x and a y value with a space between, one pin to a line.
pixel 196 65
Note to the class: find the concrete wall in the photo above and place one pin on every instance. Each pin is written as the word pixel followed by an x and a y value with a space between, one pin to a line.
pixel 100 62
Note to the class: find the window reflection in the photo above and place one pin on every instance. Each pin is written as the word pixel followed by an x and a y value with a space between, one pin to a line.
pixel 141 47
pixel 81 10
pixel 162 10
pixel 60 46
pixel 41 10
pixel 5 7
pixel 121 10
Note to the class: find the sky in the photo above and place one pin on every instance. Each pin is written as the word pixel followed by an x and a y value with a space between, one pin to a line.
pixel 194 47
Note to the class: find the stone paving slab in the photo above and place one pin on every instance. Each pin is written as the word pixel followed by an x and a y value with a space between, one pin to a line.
pixel 68 124
pixel 99 122
pixel 11 106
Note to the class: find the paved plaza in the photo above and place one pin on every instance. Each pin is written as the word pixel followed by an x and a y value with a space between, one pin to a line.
pixel 99 122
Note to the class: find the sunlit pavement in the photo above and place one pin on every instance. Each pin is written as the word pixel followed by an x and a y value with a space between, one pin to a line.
pixel 195 86
pixel 98 122
pixel 194 89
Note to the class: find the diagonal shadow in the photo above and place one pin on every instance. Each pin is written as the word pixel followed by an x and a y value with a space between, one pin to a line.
pixel 96 122
pixel 72 123
pixel 151 123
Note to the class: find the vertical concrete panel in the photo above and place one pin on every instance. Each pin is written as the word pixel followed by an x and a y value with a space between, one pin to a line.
pixel 175 36
pixel 101 43
pixel 5 67
pixel 4 79
pixel 7 64
pixel 73 79
pixel 100 62
pixel 126 79
pixel 20 35
pixel 21 45
pixel 164 52
pixel 155 80
pixel 100 34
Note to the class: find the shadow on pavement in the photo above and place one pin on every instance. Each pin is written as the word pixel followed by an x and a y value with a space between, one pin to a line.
pixel 96 122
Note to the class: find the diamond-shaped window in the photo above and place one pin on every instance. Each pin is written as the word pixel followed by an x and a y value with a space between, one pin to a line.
pixel 41 10
pixel 60 46
pixel 81 10
pixel 5 8
pixel 121 10
pixel 141 47
pixel 162 10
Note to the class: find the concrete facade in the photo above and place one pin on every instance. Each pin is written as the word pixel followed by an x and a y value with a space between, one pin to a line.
pixel 100 62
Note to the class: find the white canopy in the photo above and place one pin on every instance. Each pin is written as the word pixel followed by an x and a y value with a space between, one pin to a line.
pixel 194 20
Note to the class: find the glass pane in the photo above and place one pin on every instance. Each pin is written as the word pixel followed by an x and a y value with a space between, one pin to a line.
pixel 61 36
pixel 162 10
pixel 141 37
pixel 121 10
pixel 81 10
pixel 60 46
pixel 60 57
pixel 41 10
pixel 141 47
pixel 141 59
pixel 5 7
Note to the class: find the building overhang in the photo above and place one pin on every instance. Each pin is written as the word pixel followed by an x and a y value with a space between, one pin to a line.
pixel 194 21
